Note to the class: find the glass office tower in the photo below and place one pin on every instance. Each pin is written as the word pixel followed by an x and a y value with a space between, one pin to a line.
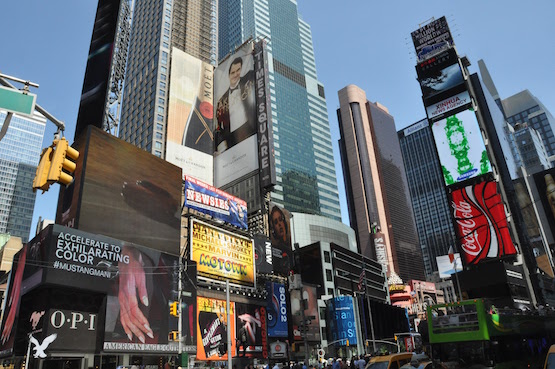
pixel 429 200
pixel 306 180
pixel 19 156
pixel 158 26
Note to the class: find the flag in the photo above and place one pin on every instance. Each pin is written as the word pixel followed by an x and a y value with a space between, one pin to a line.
pixel 361 279
pixel 451 253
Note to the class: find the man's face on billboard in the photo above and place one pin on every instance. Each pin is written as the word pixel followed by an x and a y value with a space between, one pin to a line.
pixel 234 74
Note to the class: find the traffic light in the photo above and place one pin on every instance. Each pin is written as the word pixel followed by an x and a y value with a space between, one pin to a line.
pixel 173 336
pixel 41 176
pixel 63 158
pixel 173 309
pixel 293 347
pixel 347 343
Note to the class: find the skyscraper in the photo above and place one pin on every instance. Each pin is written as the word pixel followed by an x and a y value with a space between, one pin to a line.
pixel 157 27
pixel 427 189
pixel 19 156
pixel 306 180
pixel 378 198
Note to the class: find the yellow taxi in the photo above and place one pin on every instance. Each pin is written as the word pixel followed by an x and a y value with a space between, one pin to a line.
pixel 393 361
pixel 550 359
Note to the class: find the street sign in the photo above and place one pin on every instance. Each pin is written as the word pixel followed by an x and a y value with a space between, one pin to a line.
pixel 321 353
pixel 15 101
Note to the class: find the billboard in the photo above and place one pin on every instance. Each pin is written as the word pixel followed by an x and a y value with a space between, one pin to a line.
pixel 446 267
pixel 264 114
pixel 123 192
pixel 251 330
pixel 382 256
pixel 212 329
pixel 263 254
pixel 311 313
pixel 439 76
pixel 221 254
pixel 431 38
pixel 481 223
pixel 97 72
pixel 341 321
pixel 460 146
pixel 280 235
pixel 235 134
pixel 276 307
pixel 215 202
pixel 190 124
pixel 449 104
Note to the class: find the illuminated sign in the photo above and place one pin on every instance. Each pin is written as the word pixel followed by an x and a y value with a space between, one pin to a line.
pixel 212 329
pixel 221 254
pixel 481 223
pixel 433 36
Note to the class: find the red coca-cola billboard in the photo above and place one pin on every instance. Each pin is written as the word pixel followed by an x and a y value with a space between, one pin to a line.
pixel 481 223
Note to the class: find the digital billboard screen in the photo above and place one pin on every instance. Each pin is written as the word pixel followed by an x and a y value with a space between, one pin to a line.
pixel 309 294
pixel 276 308
pixel 440 76
pixel 481 223
pixel 215 202
pixel 221 254
pixel 123 192
pixel 251 330
pixel 341 320
pixel 263 254
pixel 190 124
pixel 280 235
pixel 235 134
pixel 432 37
pixel 460 146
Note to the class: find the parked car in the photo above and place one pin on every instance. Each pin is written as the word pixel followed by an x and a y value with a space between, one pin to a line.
pixel 393 361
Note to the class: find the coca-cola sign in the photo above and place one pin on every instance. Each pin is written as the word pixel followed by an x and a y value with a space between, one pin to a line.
pixel 481 223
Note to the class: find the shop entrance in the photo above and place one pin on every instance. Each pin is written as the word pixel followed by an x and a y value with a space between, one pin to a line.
pixel 71 363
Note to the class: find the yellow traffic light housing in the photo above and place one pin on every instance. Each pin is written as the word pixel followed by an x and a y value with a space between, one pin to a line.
pixel 173 308
pixel 347 343
pixel 63 158
pixel 41 176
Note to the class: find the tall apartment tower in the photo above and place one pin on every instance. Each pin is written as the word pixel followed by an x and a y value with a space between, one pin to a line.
pixel 429 200
pixel 376 185
pixel 19 156
pixel 158 26
pixel 305 170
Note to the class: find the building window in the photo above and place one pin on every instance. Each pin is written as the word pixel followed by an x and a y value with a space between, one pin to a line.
pixel 329 276
pixel 330 291
pixel 327 257
pixel 158 153
pixel 158 145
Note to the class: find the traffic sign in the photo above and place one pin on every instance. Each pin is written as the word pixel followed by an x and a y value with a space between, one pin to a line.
pixel 15 101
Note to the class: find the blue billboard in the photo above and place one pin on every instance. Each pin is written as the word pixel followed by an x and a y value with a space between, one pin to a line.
pixel 215 202
pixel 277 310
pixel 341 321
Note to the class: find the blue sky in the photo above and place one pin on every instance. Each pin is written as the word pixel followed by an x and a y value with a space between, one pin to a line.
pixel 360 42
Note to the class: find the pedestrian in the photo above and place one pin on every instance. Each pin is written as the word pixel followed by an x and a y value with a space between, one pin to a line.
pixel 276 366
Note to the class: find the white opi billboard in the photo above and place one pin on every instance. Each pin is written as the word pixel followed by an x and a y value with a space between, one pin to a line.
pixel 460 146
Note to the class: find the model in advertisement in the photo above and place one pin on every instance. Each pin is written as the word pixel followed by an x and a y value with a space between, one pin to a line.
pixel 235 114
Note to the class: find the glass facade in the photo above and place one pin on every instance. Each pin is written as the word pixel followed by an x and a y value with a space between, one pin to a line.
pixel 306 180
pixel 19 156
pixel 427 190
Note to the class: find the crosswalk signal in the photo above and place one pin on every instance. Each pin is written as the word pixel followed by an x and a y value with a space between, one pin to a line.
pixel 41 176
pixel 173 308
pixel 63 158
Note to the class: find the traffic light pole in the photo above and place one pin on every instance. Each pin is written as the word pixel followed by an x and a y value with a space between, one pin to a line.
pixel 228 312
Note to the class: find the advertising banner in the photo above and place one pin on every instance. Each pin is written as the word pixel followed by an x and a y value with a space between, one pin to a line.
pixel 276 307
pixel 212 329
pixel 446 267
pixel 221 254
pixel 190 124
pixel 341 321
pixel 252 338
pixel 481 223
pixel 440 77
pixel 444 106
pixel 280 234
pixel 312 329
pixel 460 146
pixel 432 37
pixel 264 114
pixel 263 254
pixel 215 202
pixel 236 147
pixel 381 250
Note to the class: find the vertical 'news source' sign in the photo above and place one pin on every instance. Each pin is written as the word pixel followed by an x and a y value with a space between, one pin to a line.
pixel 215 202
